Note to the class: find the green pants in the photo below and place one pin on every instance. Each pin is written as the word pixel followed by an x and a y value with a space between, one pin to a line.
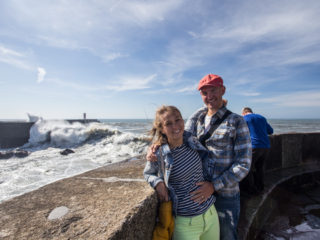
pixel 204 226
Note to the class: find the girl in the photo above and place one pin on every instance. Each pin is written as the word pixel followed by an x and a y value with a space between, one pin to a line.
pixel 178 174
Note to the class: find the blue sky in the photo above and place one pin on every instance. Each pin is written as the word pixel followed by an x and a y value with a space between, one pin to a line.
pixel 123 59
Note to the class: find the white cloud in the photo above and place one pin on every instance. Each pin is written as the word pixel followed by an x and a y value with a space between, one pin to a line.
pixel 103 26
pixel 9 52
pixel 294 99
pixel 126 83
pixel 257 35
pixel 41 73
pixel 73 85
pixel 95 25
pixel 189 89
pixel 113 56
pixel 14 58
pixel 145 12
pixel 250 94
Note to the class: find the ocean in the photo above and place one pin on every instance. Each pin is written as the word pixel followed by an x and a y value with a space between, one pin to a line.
pixel 94 145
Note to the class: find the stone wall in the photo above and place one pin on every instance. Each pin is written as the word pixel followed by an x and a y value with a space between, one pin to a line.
pixel 14 134
pixel 293 149
pixel 292 158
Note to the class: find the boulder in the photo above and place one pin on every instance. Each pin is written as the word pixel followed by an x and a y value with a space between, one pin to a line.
pixel 66 151
pixel 21 153
pixel 6 155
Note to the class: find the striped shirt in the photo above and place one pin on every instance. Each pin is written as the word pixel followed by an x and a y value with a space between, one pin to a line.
pixel 230 145
pixel 186 172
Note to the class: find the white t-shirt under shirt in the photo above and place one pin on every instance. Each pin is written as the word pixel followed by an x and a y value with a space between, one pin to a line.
pixel 207 121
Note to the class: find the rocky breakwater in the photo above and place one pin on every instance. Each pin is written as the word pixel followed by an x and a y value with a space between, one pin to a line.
pixel 112 202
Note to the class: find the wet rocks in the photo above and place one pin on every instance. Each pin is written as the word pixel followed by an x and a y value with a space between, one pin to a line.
pixel 15 153
pixel 66 151
pixel 6 155
pixel 21 153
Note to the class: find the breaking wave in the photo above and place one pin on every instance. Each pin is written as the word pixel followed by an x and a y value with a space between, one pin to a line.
pixel 62 134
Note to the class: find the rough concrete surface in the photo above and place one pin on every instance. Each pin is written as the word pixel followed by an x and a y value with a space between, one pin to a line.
pixel 106 203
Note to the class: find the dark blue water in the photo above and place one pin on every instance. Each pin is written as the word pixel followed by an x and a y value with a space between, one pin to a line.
pixel 294 125
pixel 279 125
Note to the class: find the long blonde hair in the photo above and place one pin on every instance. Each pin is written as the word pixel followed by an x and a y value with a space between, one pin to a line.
pixel 156 134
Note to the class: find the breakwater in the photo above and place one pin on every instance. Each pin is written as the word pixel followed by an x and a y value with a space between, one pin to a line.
pixel 114 202
pixel 16 134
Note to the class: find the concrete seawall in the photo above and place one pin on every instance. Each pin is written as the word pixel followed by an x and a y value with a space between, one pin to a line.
pixel 114 202
pixel 16 134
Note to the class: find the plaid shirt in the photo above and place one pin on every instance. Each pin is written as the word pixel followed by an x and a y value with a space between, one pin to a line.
pixel 231 146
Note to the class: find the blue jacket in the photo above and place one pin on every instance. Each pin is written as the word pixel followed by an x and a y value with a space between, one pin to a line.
pixel 159 171
pixel 259 129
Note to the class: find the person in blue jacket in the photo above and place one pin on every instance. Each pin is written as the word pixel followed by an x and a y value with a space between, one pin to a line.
pixel 259 130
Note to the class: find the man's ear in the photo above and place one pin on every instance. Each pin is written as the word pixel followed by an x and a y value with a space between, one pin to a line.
pixel 223 90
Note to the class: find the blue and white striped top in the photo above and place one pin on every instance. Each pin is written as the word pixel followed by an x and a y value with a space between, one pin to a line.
pixel 186 172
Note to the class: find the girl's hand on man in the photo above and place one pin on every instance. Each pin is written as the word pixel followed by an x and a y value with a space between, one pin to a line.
pixel 162 192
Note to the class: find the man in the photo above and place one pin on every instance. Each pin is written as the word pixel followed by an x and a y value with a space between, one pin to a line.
pixel 230 145
pixel 226 136
pixel 259 129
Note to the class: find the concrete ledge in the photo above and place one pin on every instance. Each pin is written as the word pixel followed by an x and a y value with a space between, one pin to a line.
pixel 112 202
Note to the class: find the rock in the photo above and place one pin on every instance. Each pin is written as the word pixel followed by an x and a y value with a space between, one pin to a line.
pixel 66 151
pixel 6 155
pixel 16 153
pixel 21 153
pixel 58 212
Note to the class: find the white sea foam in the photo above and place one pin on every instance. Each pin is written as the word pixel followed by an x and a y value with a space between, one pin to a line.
pixel 59 133
pixel 94 145
pixel 33 118
pixel 304 231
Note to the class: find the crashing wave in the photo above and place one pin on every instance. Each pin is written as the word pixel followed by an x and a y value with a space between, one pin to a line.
pixel 64 134
pixel 33 118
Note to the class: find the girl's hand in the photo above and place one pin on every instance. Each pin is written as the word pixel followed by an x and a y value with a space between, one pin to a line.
pixel 162 192
pixel 203 192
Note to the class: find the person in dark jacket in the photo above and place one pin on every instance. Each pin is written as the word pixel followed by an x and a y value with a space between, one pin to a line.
pixel 259 130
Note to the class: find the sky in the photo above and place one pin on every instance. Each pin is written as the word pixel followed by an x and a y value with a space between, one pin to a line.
pixel 125 58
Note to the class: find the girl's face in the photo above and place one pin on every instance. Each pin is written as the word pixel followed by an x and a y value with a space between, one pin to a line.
pixel 173 127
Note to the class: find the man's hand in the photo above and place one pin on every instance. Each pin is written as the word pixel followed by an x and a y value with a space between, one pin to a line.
pixel 201 195
pixel 162 192
pixel 151 154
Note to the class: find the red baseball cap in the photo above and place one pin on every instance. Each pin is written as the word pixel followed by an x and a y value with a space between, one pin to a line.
pixel 210 80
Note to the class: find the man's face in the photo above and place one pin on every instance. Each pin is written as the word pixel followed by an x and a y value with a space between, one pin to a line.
pixel 212 96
